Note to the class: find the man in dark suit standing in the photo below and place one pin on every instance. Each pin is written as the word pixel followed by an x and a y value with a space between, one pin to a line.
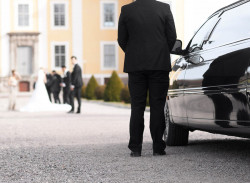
pixel 55 86
pixel 146 33
pixel 76 85
pixel 48 84
pixel 66 82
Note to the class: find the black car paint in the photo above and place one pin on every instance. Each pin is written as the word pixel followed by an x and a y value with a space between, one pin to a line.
pixel 213 95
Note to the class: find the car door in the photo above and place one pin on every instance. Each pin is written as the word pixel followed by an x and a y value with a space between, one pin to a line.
pixel 216 76
pixel 175 102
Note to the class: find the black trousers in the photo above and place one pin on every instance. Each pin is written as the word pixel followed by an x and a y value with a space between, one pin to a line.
pixel 49 92
pixel 66 95
pixel 56 97
pixel 157 83
pixel 76 93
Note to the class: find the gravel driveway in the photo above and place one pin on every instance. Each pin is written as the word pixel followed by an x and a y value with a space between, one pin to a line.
pixel 92 147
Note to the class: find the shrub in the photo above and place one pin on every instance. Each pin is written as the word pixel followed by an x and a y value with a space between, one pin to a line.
pixel 113 88
pixel 90 89
pixel 125 95
pixel 83 91
pixel 99 92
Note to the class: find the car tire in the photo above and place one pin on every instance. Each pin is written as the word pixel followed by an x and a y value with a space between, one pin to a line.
pixel 174 135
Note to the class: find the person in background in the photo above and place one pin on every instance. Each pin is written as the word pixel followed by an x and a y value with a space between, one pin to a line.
pixel 66 81
pixel 55 86
pixel 76 85
pixel 48 84
pixel 12 82
pixel 34 84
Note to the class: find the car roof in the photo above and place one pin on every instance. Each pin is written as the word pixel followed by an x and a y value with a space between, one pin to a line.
pixel 231 6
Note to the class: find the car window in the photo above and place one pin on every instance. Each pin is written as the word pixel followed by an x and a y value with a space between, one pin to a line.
pixel 233 26
pixel 202 34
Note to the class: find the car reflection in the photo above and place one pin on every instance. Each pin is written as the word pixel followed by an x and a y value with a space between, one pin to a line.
pixel 225 84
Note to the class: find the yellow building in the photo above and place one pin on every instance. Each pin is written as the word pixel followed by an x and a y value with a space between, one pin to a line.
pixel 45 33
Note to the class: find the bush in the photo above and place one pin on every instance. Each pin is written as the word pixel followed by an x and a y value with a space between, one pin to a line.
pixel 99 92
pixel 90 89
pixel 83 91
pixel 113 88
pixel 125 95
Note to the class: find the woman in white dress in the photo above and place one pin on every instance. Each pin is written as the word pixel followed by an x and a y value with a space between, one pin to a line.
pixel 13 81
pixel 39 100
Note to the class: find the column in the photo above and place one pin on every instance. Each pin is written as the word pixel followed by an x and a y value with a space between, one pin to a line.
pixel 77 32
pixel 5 29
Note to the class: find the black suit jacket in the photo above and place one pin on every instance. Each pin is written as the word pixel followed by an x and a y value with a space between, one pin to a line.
pixel 67 80
pixel 49 81
pixel 56 81
pixel 76 76
pixel 147 34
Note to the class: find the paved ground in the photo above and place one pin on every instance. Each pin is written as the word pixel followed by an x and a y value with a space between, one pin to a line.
pixel 92 147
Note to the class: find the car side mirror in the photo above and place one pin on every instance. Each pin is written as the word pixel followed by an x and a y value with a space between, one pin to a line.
pixel 177 49
pixel 196 49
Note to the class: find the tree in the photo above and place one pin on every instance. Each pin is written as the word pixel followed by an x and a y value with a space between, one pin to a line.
pixel 90 89
pixel 113 88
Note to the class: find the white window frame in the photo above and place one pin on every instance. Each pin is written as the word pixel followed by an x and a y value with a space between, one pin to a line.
pixel 102 2
pixel 53 44
pixel 16 14
pixel 116 56
pixel 52 18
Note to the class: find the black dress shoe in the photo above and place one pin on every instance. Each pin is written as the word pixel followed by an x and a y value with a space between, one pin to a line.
pixel 78 112
pixel 159 153
pixel 135 154
pixel 71 112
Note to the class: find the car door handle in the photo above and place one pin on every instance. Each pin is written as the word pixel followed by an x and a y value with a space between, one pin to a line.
pixel 196 59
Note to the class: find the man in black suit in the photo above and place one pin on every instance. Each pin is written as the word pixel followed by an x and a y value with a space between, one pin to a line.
pixel 146 33
pixel 48 84
pixel 55 86
pixel 66 82
pixel 76 85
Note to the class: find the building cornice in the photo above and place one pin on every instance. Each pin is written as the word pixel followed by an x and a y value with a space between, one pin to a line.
pixel 24 33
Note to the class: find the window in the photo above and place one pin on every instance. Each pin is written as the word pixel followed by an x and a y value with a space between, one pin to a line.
pixel 23 15
pixel 202 34
pixel 59 14
pixel 109 56
pixel 108 14
pixel 234 26
pixel 60 55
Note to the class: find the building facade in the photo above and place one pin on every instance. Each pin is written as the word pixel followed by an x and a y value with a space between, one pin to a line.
pixel 46 33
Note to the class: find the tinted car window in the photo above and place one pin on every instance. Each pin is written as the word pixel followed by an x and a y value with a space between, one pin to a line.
pixel 202 34
pixel 234 26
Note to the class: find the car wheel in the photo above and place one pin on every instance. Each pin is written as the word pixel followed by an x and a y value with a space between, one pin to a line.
pixel 174 135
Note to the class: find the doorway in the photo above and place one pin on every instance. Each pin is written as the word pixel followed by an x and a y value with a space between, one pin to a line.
pixel 24 60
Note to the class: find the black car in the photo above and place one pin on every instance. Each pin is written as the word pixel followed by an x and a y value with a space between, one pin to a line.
pixel 210 82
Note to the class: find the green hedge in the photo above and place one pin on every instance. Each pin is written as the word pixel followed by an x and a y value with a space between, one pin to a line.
pixel 83 91
pixel 113 88
pixel 99 92
pixel 90 90
pixel 125 95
